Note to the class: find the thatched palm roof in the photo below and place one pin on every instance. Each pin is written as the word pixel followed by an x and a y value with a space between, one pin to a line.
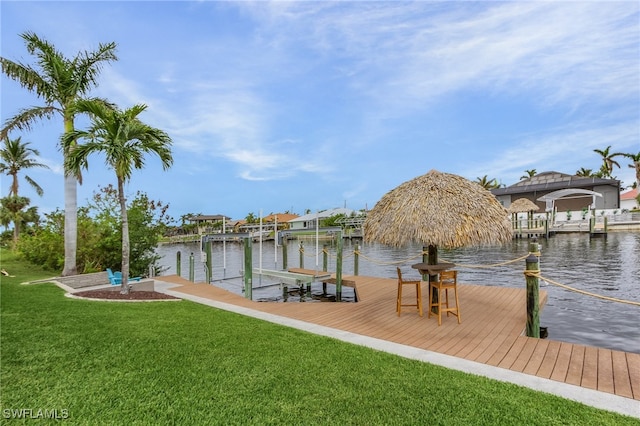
pixel 439 209
pixel 522 205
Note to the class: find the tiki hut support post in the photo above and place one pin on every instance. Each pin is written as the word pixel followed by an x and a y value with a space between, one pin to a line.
pixel 532 271
pixel 432 259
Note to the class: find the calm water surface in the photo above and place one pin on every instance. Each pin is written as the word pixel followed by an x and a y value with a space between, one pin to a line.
pixel 608 267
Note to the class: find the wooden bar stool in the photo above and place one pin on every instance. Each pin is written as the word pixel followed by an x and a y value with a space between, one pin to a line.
pixel 402 283
pixel 448 280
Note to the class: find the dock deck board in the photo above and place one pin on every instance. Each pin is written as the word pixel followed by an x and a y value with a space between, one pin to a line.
pixel 491 332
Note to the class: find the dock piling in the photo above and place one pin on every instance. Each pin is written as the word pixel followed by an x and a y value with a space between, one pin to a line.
pixel 532 271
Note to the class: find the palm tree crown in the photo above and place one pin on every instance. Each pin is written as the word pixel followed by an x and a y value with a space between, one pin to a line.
pixel 635 158
pixel 487 183
pixel 608 160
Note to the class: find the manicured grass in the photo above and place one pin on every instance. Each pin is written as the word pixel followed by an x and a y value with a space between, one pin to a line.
pixel 184 363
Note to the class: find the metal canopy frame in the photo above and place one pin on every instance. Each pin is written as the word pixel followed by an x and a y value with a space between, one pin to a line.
pixel 565 194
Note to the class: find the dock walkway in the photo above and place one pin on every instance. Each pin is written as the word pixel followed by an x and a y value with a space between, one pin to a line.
pixel 491 333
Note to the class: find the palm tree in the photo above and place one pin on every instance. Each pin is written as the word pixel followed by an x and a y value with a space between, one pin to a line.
pixel 15 156
pixel 12 208
pixel 124 140
pixel 529 174
pixel 608 161
pixel 488 183
pixel 582 172
pixel 635 165
pixel 60 82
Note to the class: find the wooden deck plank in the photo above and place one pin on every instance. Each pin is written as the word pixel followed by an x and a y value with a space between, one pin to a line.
pixel 621 378
pixel 590 369
pixel 537 357
pixel 525 355
pixel 576 363
pixel 605 371
pixel 549 361
pixel 491 332
pixel 561 366
pixel 513 353
pixel 633 361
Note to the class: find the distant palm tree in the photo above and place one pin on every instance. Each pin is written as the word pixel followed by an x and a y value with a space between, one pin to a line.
pixel 16 156
pixel 584 172
pixel 529 174
pixel 124 140
pixel 635 165
pixel 608 161
pixel 487 183
pixel 251 218
pixel 60 82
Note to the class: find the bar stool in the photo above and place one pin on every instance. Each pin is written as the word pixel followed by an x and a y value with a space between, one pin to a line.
pixel 401 283
pixel 448 280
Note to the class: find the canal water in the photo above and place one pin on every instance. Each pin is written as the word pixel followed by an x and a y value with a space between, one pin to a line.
pixel 608 267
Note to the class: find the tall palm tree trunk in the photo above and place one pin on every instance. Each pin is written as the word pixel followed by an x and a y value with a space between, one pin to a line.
pixel 124 289
pixel 70 225
pixel 70 214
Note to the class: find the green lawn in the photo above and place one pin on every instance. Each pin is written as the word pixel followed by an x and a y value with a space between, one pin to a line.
pixel 184 363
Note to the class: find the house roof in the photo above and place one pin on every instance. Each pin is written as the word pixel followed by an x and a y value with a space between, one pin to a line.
pixel 629 195
pixel 324 214
pixel 280 217
pixel 205 217
pixel 553 181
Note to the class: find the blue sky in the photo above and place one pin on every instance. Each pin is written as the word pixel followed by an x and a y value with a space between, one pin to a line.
pixel 289 106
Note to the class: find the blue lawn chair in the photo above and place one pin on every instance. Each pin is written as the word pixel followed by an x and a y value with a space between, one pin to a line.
pixel 115 278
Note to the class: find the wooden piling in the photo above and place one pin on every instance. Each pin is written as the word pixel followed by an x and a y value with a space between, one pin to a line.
pixel 325 265
pixel 284 253
pixel 191 266
pixel 301 250
pixel 178 262
pixel 248 269
pixel 339 268
pixel 209 261
pixel 532 270
pixel 356 260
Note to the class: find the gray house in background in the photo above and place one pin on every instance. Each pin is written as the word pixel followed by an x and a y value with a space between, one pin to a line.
pixel 308 221
pixel 546 183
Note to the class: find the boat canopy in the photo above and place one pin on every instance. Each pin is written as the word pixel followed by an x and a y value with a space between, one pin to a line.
pixel 551 197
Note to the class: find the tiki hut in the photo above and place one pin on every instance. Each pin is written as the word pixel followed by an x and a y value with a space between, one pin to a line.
pixel 523 205
pixel 438 210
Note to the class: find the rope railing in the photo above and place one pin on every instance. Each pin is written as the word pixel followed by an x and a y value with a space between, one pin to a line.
pixel 536 273
pixel 492 265
pixel 393 262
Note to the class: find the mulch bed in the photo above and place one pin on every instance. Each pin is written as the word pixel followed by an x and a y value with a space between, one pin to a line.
pixel 133 295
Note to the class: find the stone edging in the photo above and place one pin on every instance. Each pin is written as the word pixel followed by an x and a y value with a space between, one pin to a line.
pixel 73 296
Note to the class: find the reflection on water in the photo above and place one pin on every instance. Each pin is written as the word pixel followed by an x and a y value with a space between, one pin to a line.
pixel 608 267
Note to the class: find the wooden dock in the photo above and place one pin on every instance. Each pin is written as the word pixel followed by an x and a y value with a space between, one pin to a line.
pixel 493 322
